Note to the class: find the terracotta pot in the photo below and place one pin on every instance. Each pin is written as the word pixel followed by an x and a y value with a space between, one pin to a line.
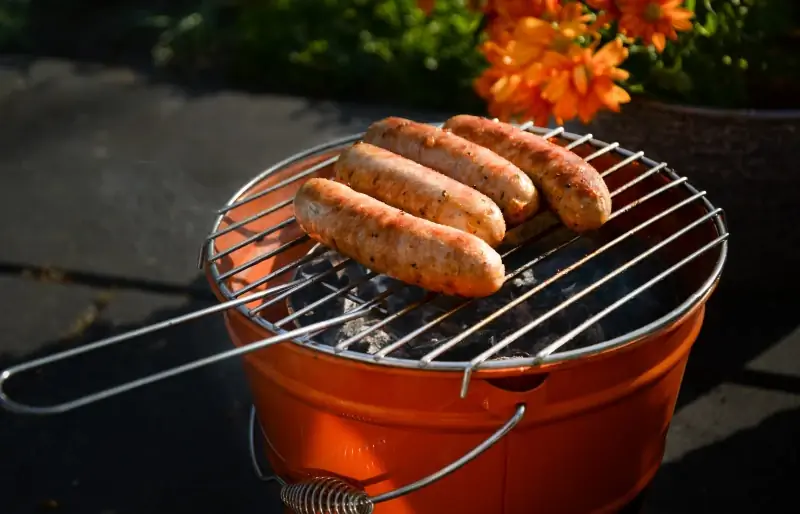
pixel 746 160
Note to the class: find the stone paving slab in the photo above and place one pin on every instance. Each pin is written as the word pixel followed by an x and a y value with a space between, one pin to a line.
pixel 100 168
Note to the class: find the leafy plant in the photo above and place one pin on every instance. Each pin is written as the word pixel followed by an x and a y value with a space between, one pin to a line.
pixel 741 53
pixel 570 59
pixel 13 24
pixel 373 50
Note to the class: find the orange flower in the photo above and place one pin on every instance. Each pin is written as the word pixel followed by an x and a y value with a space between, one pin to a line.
pixel 571 19
pixel 502 15
pixel 538 67
pixel 511 96
pixel 532 37
pixel 581 82
pixel 514 9
pixel 608 12
pixel 602 5
pixel 426 5
pixel 654 21
pixel 509 93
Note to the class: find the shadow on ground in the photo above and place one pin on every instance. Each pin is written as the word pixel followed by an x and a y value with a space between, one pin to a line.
pixel 178 446
pixel 754 470
pixel 741 323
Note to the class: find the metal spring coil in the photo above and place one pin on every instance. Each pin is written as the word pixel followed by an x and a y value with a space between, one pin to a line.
pixel 326 495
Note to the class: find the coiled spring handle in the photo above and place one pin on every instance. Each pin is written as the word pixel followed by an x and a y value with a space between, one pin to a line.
pixel 330 495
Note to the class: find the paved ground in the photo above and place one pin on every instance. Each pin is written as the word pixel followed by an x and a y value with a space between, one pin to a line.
pixel 107 186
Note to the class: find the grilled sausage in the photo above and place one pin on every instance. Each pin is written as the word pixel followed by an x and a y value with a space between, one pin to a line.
pixel 572 187
pixel 461 160
pixel 387 240
pixel 420 191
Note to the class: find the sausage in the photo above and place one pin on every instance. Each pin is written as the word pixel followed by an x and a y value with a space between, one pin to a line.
pixel 571 186
pixel 461 160
pixel 420 191
pixel 389 241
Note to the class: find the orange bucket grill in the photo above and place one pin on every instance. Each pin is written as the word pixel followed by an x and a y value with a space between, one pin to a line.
pixel 564 429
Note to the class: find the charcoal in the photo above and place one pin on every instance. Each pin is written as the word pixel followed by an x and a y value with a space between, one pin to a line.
pixel 645 308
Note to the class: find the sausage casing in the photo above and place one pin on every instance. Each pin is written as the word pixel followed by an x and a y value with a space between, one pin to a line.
pixel 571 186
pixel 503 182
pixel 387 240
pixel 420 191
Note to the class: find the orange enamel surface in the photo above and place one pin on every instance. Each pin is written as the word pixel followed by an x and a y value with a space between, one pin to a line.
pixel 591 439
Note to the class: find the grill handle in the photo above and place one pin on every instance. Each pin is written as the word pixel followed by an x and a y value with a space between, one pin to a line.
pixel 340 497
pixel 15 406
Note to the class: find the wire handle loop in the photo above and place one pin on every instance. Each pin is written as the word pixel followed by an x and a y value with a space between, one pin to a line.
pixel 22 408
pixel 335 496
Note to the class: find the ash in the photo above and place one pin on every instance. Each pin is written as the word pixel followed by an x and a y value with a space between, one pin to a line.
pixel 646 307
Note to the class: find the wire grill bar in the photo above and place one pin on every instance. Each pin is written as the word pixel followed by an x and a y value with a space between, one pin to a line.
pixel 208 245
pixel 516 240
pixel 254 238
pixel 303 239
pixel 526 296
pixel 278 272
pixel 428 359
pixel 561 341
pixel 261 258
pixel 474 363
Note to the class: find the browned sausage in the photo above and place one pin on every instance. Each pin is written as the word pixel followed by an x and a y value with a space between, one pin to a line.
pixel 387 240
pixel 572 187
pixel 420 191
pixel 461 160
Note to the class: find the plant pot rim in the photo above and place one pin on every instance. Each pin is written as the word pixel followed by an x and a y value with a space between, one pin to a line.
pixel 754 114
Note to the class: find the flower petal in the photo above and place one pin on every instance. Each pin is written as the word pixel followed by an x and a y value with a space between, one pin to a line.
pixel 659 41
pixel 522 55
pixel 681 14
pixel 567 106
pixel 618 74
pixel 536 73
pixel 611 95
pixel 620 95
pixel 498 86
pixel 611 54
pixel 556 87
pixel 580 77
pixel 682 25
pixel 530 27
pixel 588 107
pixel 604 89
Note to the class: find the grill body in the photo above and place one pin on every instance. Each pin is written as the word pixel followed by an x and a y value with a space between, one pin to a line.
pixel 592 439
pixel 594 431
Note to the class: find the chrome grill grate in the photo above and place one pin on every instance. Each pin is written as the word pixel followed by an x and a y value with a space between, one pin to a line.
pixel 517 237
pixel 517 242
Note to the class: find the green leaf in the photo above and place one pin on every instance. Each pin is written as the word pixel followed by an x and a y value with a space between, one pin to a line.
pixel 710 26
pixel 682 82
